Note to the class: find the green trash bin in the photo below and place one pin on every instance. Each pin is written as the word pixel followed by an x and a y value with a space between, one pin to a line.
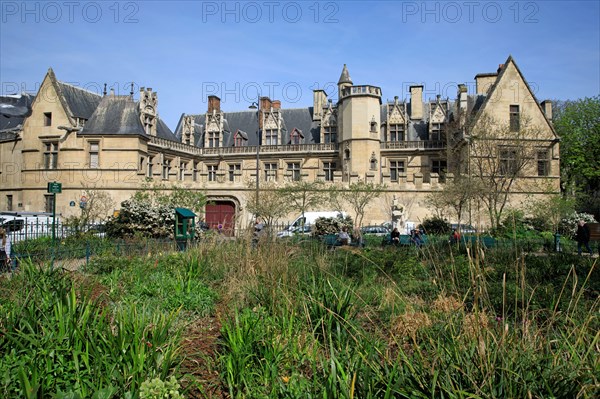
pixel 185 224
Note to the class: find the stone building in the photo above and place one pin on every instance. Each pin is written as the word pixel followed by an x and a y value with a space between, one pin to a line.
pixel 118 143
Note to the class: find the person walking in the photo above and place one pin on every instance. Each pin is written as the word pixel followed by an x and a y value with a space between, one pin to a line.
pixel 582 236
pixel 258 231
pixel 4 251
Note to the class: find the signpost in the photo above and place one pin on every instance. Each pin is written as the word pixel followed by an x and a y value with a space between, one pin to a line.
pixel 54 188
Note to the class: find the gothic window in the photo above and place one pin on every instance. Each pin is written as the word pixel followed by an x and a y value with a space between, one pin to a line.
pixel 93 155
pixel 49 202
pixel 212 172
pixel 330 134
pixel 508 162
pixel 149 170
pixel 195 171
pixel 329 168
pixel 515 119
pixel 270 171
pixel 271 137
pixel 213 139
pixel 396 132
pixel 396 168
pixel 436 131
pixel 238 141
pixel 295 137
pixel 166 171
pixel 439 166
pixel 294 170
pixel 543 164
pixel 51 155
pixel 234 169
pixel 182 167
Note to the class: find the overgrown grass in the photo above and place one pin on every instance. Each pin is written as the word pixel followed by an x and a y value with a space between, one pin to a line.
pixel 301 321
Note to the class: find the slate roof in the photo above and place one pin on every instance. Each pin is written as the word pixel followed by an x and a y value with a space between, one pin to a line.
pixel 118 115
pixel 247 122
pixel 81 103
pixel 14 109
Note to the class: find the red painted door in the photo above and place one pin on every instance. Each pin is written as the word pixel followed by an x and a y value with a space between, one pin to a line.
pixel 220 215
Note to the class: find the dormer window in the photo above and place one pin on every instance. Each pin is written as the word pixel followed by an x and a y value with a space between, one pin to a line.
pixel 436 131
pixel 296 137
pixel 330 134
pixel 396 132
pixel 213 139
pixel 271 137
pixel 240 139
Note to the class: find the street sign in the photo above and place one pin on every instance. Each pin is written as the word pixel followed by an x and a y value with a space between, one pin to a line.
pixel 54 188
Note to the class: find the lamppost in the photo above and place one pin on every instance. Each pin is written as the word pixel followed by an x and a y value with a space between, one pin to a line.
pixel 256 105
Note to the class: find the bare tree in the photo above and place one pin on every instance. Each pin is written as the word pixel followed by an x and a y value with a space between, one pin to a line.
pixel 454 198
pixel 358 196
pixel 270 205
pixel 302 195
pixel 501 157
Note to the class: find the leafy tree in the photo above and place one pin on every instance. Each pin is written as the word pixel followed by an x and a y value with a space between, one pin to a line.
pixel 551 210
pixel 436 225
pixel 578 125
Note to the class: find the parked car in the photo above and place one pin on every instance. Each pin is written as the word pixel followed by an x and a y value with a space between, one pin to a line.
pixel 375 230
pixel 464 228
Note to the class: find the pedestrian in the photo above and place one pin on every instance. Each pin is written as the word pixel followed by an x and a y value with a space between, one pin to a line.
pixel 395 236
pixel 4 251
pixel 454 236
pixel 259 228
pixel 582 236
pixel 343 236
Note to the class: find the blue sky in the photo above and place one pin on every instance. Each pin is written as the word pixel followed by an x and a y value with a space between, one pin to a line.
pixel 187 50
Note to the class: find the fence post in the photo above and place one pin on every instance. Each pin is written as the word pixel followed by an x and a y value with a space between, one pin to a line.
pixel 87 253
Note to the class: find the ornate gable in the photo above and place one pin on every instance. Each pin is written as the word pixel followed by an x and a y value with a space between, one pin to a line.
pixel 397 114
pixel 272 120
pixel 438 112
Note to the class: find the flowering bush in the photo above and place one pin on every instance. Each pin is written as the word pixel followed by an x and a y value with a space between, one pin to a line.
pixel 332 225
pixel 568 225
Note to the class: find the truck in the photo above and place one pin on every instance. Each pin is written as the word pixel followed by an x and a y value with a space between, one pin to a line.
pixel 303 223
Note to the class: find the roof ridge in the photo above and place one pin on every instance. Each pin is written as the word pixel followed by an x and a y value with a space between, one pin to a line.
pixel 78 88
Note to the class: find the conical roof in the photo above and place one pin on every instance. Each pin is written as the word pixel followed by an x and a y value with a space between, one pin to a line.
pixel 345 76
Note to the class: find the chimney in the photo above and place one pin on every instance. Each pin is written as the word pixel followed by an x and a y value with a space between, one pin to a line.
pixel 484 81
pixel 462 103
pixel 276 104
pixel 547 108
pixel 214 104
pixel 265 103
pixel 416 102
pixel 319 101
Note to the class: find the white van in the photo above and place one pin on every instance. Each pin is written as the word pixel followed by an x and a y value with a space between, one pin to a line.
pixel 28 225
pixel 303 224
